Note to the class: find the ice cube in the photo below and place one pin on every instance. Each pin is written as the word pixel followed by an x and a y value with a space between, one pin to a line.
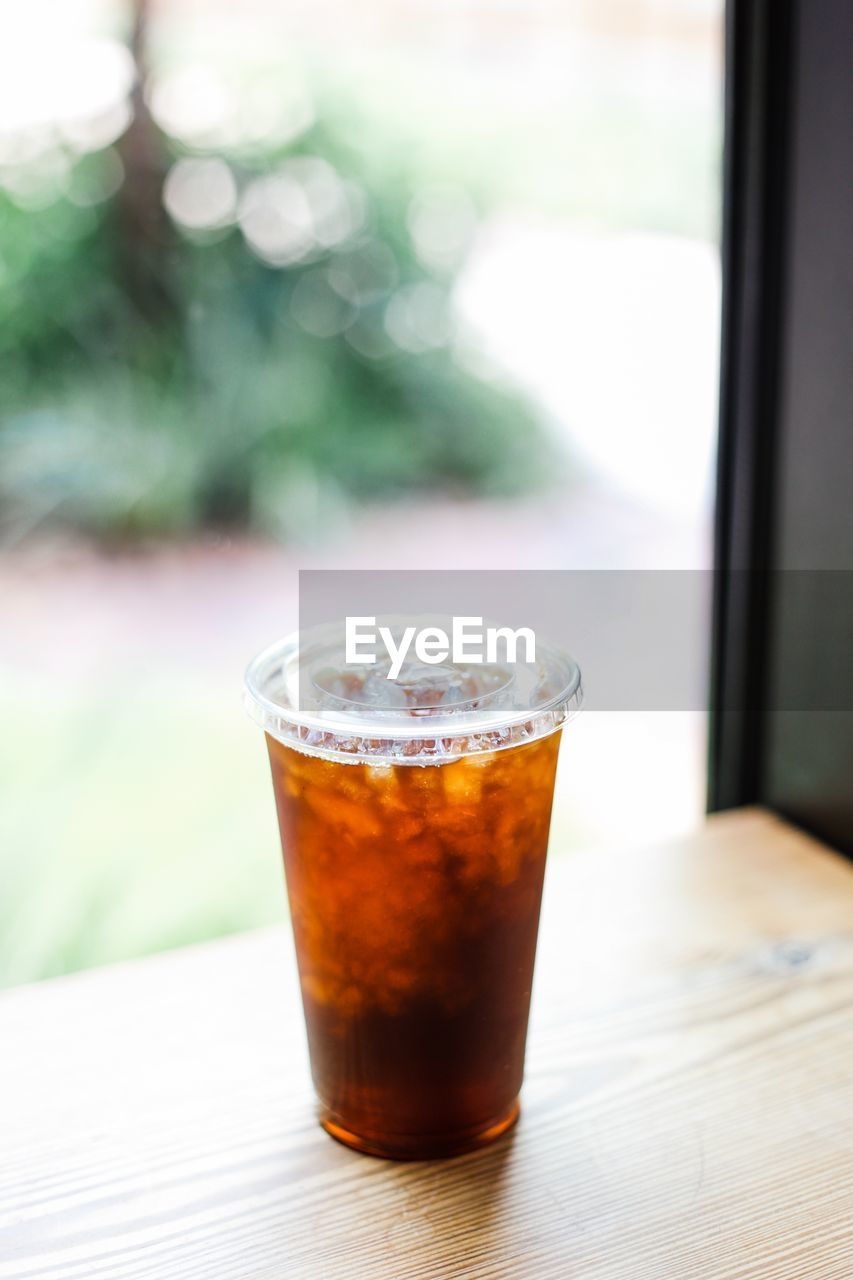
pixel 426 686
pixel 378 691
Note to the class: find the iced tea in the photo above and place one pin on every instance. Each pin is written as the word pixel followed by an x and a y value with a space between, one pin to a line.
pixel 414 891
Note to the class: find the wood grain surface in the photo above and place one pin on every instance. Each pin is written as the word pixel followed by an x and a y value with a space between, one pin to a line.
pixel 688 1109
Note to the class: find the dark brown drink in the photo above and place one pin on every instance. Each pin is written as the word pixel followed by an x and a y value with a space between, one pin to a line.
pixel 414 892
pixel 414 801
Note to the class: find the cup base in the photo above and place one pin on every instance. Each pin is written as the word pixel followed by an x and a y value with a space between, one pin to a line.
pixel 412 1147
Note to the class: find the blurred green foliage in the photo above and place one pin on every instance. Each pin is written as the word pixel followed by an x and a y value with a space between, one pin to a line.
pixel 154 380
pixel 154 388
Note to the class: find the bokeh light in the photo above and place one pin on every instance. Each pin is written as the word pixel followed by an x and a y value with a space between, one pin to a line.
pixel 418 319
pixel 203 107
pixel 316 306
pixel 442 221
pixel 201 194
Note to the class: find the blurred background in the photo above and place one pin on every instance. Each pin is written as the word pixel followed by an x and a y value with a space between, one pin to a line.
pixel 289 285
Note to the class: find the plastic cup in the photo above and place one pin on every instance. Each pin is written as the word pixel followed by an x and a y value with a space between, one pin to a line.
pixel 414 818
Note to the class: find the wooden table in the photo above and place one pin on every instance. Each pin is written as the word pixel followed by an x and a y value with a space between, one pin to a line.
pixel 688 1110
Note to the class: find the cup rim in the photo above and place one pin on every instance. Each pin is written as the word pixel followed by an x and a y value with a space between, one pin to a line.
pixel 387 735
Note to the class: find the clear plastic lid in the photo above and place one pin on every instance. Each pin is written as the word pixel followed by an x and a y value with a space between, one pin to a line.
pixel 303 692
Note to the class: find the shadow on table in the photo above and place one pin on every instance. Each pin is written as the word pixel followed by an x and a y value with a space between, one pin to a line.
pixel 450 1209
